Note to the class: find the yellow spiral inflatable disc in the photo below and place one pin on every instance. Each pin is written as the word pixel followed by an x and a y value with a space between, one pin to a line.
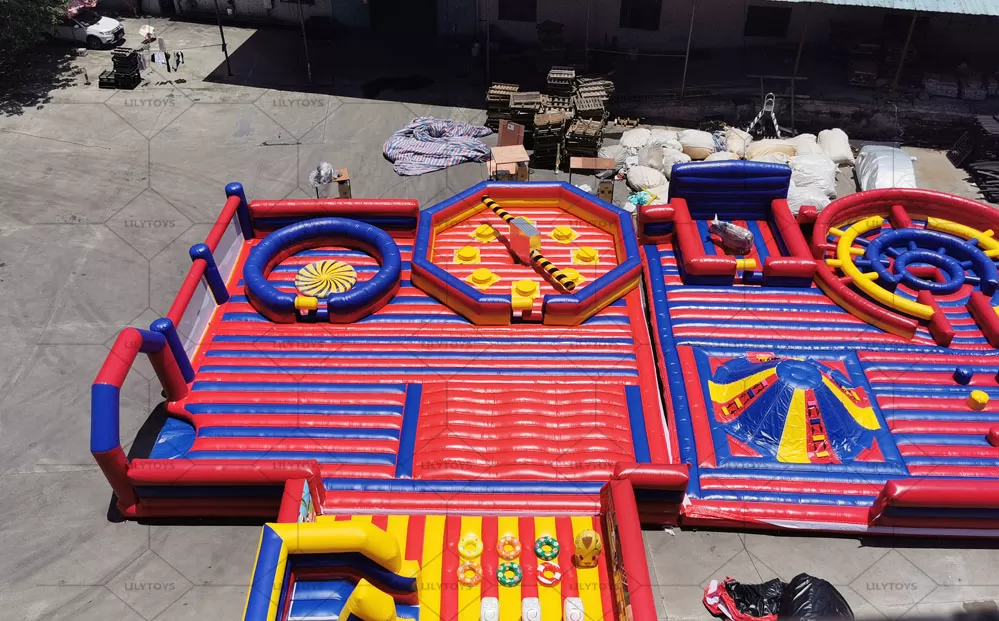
pixel 322 278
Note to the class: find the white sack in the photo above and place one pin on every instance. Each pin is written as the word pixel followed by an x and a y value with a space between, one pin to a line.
pixel 769 146
pixel 642 178
pixel 614 152
pixel 697 144
pixel 659 136
pixel 797 197
pixel 836 145
pixel 737 140
pixel 635 138
pixel 651 156
pixel 672 157
pixel 814 171
pixel 721 155
pixel 806 144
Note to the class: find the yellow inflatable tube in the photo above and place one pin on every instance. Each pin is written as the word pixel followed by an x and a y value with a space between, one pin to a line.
pixel 344 537
pixel 369 603
pixel 862 281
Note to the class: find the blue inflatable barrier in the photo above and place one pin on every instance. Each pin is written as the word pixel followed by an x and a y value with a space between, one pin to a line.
pixel 361 300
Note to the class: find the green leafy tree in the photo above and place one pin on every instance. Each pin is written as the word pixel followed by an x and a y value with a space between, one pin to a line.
pixel 23 22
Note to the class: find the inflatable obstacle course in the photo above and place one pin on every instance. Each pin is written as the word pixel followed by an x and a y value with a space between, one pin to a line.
pixel 839 375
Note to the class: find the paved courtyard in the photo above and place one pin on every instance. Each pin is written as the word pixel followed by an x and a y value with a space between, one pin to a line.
pixel 101 195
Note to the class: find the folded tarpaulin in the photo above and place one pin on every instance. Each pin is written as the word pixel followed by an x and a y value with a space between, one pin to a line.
pixel 428 144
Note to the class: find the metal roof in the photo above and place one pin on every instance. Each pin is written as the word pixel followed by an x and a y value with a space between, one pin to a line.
pixel 963 7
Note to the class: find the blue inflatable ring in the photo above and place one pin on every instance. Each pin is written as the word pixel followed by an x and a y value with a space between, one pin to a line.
pixel 363 299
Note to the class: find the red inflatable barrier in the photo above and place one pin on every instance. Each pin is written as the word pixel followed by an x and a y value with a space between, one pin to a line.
pixel 936 493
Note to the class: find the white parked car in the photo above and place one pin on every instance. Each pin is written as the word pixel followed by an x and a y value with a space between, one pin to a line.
pixel 88 28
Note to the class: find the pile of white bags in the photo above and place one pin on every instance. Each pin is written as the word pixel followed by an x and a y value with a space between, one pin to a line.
pixel 835 144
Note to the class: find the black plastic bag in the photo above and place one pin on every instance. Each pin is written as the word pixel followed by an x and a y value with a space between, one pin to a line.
pixel 757 600
pixel 809 599
pixel 744 602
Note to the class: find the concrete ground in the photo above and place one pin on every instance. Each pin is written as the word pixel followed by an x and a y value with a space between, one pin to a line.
pixel 102 194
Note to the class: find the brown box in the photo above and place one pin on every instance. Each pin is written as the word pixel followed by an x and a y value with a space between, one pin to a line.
pixel 343 183
pixel 605 190
pixel 510 133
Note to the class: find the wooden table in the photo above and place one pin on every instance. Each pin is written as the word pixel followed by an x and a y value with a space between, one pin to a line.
pixel 511 159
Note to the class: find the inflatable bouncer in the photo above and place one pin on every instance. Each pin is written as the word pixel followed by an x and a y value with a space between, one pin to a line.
pixel 496 391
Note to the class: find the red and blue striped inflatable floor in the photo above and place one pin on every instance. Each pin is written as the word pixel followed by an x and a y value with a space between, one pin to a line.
pixel 925 428
pixel 416 401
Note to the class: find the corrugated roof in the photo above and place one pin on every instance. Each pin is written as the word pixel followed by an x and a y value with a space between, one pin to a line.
pixel 963 7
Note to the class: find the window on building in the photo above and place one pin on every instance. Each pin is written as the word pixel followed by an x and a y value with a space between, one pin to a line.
pixel 641 14
pixel 518 10
pixel 767 21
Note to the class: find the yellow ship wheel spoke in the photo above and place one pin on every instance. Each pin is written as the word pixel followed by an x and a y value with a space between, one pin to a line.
pixel 322 278
pixel 865 281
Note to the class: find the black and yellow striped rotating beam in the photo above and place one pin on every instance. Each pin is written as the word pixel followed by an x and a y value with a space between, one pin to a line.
pixel 564 281
pixel 499 211
pixel 557 274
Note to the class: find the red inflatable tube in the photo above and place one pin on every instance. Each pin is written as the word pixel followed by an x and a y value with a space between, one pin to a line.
pixel 940 327
pixel 936 493
pixel 114 465
pixel 222 223
pixel 789 229
pixel 187 290
pixel 726 513
pixel 899 218
pixel 648 214
pixel 695 262
pixel 223 472
pixel 993 436
pixel 471 504
pixel 651 403
pixel 860 306
pixel 985 316
pixel 123 353
pixel 672 477
pixel 202 507
pixel 335 207
pixel 914 201
pixel 632 547
pixel 291 500
pixel 807 215
pixel 788 267
pixel 119 361
pixel 790 486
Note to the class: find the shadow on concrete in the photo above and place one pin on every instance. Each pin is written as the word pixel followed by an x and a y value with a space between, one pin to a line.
pixel 361 65
pixel 30 78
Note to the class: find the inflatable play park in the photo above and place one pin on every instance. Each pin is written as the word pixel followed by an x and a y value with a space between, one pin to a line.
pixel 468 411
